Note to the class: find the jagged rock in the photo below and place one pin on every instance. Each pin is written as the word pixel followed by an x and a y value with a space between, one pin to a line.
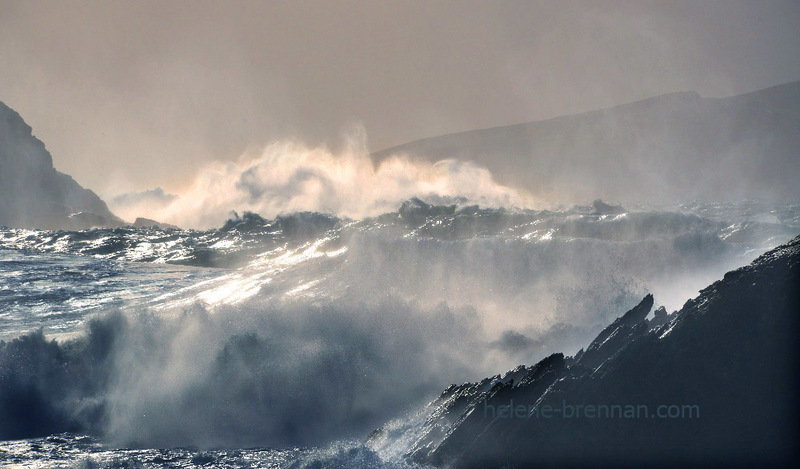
pixel 602 208
pixel 726 363
pixel 660 317
pixel 621 332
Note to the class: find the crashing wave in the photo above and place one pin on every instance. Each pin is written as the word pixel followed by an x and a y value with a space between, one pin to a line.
pixel 305 328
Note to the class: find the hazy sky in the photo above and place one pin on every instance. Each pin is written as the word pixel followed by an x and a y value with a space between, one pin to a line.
pixel 134 95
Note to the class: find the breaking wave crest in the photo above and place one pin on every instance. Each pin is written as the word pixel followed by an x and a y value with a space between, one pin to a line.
pixel 288 177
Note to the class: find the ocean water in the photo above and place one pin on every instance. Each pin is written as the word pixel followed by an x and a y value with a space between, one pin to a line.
pixel 285 342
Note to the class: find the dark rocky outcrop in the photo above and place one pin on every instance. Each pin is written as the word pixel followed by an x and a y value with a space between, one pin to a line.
pixel 32 193
pixel 660 317
pixel 601 208
pixel 621 332
pixel 724 367
pixel 142 222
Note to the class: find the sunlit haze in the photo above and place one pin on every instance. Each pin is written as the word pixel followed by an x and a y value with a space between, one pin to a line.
pixel 131 96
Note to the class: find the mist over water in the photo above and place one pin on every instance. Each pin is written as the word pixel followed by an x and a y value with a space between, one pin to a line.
pixel 310 296
pixel 320 328
pixel 256 283
pixel 289 176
